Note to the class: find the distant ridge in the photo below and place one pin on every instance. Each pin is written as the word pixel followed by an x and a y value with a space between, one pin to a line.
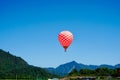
pixel 67 67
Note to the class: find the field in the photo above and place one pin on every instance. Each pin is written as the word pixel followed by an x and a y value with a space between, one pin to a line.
pixel 70 78
pixel 23 79
pixel 83 78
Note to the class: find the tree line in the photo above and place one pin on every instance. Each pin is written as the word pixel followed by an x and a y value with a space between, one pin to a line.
pixel 104 71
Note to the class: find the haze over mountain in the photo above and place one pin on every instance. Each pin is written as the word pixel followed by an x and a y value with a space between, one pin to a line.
pixel 68 67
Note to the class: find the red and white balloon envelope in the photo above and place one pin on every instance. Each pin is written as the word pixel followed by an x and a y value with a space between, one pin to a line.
pixel 65 38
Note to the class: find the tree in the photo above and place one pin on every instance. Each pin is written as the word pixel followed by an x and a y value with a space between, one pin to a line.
pixel 118 72
pixel 87 72
pixel 74 72
pixel 103 71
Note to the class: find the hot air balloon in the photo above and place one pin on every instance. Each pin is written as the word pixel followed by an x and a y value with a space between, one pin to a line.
pixel 65 38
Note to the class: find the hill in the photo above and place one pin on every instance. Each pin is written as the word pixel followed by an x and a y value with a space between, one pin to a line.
pixel 12 66
pixel 66 68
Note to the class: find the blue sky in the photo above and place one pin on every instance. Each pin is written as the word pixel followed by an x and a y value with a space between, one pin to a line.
pixel 29 29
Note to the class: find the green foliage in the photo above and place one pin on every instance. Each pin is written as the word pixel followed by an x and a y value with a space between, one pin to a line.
pixel 84 72
pixel 97 72
pixel 74 72
pixel 12 67
pixel 118 72
pixel 102 71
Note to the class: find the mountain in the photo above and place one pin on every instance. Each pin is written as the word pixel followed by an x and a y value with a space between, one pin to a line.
pixel 9 62
pixel 117 66
pixel 108 66
pixel 12 66
pixel 66 68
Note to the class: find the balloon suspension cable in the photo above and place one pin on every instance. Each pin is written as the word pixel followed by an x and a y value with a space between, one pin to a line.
pixel 65 48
